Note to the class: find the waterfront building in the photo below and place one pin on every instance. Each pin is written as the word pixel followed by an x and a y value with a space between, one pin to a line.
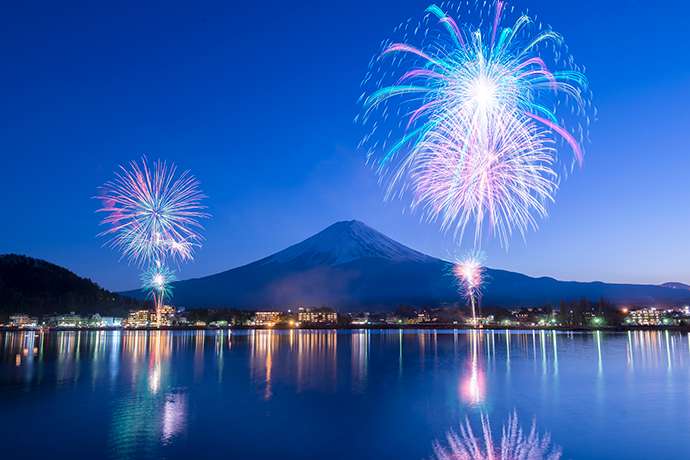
pixel 66 321
pixel 95 321
pixel 104 321
pixel 481 321
pixel 266 318
pixel 423 318
pixel 646 317
pixel 392 318
pixel 23 321
pixel 317 316
pixel 534 316
pixel 111 321
pixel 139 318
pixel 359 319
pixel 167 315
pixel 220 323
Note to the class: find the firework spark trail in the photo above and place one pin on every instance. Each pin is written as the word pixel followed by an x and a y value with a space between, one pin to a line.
pixel 153 213
pixel 515 443
pixel 470 122
pixel 470 275
pixel 156 281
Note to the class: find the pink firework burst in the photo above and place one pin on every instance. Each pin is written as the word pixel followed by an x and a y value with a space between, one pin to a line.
pixel 153 212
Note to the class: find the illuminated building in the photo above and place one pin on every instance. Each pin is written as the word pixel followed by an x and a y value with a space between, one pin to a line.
pixel 534 317
pixel 23 321
pixel 485 320
pixel 167 315
pixel 104 321
pixel 266 318
pixel 71 320
pixel 481 321
pixel 111 321
pixel 646 317
pixel 219 323
pixel 317 316
pixel 360 319
pixel 523 316
pixel 139 318
pixel 423 318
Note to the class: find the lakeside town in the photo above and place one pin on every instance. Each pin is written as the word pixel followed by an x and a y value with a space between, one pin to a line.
pixel 580 315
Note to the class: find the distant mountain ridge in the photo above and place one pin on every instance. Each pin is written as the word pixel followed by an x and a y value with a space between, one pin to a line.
pixel 675 285
pixel 34 286
pixel 352 267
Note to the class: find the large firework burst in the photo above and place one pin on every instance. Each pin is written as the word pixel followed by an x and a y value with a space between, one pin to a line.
pixel 504 178
pixel 153 213
pixel 470 120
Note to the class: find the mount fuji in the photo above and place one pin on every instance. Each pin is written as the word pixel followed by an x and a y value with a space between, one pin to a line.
pixel 352 267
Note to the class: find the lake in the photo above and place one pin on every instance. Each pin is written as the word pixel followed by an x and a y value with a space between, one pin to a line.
pixel 337 394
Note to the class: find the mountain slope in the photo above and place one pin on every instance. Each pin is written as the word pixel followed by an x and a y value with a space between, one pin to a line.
pixel 674 285
pixel 353 267
pixel 35 286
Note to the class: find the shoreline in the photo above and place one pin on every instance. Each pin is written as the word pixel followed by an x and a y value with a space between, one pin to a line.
pixel 456 327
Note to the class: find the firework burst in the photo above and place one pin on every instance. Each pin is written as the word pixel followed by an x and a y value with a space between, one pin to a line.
pixel 470 121
pixel 156 281
pixel 470 275
pixel 504 179
pixel 153 213
pixel 515 443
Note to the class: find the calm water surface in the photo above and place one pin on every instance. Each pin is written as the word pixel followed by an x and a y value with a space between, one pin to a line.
pixel 336 394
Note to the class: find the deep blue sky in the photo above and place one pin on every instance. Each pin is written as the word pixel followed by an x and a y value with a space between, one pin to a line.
pixel 258 98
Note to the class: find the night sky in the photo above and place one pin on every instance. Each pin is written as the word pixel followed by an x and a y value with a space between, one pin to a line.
pixel 258 100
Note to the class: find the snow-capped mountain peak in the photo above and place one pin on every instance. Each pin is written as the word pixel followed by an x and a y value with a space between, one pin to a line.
pixel 347 241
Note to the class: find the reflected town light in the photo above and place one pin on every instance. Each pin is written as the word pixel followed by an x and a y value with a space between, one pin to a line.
pixel 473 382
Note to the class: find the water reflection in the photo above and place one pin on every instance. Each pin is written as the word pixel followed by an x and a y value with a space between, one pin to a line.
pixel 152 380
pixel 316 356
pixel 174 415
pixel 473 382
pixel 310 352
pixel 360 358
pixel 262 347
